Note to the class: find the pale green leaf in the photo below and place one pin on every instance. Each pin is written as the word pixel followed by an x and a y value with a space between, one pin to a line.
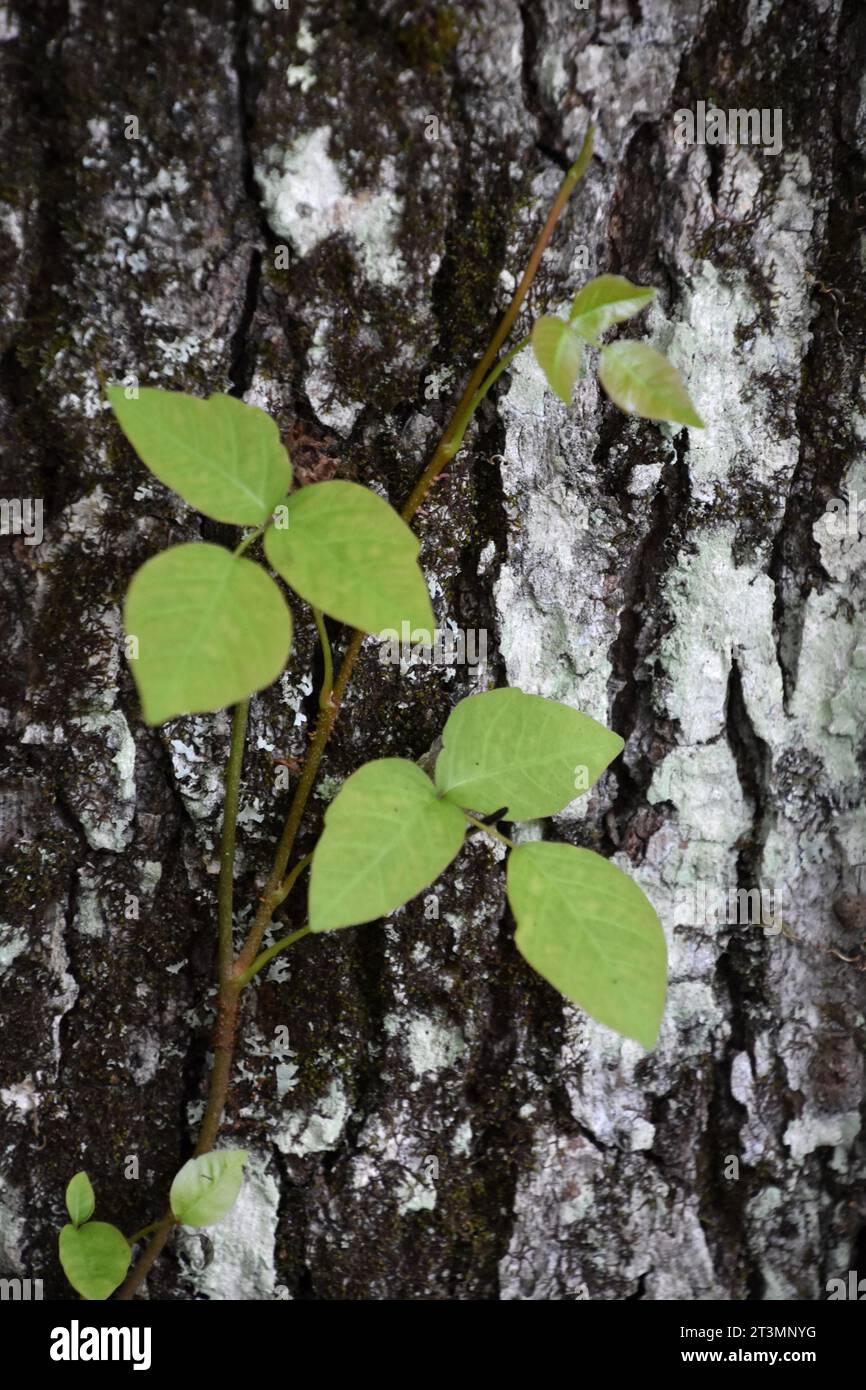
pixel 344 550
pixel 95 1258
pixel 559 353
pixel 531 755
pixel 207 1187
pixel 224 457
pixel 386 837
pixel 642 382
pixel 592 933
pixel 204 630
pixel 606 300
pixel 80 1200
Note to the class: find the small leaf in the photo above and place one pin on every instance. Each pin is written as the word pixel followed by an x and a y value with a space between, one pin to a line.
pixel 207 1187
pixel 590 931
pixel 606 300
pixel 95 1258
pixel 386 837
pixel 559 353
pixel 347 552
pixel 641 381
pixel 80 1199
pixel 505 748
pixel 223 457
pixel 209 629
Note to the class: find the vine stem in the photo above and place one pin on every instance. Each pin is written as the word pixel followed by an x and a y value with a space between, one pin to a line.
pixel 267 956
pixel 248 962
pixel 292 878
pixel 228 997
pixel 462 424
pixel 490 830
pixel 327 659
pixel 441 456
pixel 240 716
pixel 140 1235
pixel 248 540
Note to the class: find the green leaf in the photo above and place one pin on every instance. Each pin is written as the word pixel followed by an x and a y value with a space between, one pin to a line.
pixel 95 1258
pixel 224 457
pixel 210 628
pixel 386 837
pixel 641 381
pixel 606 300
pixel 80 1200
pixel 347 552
pixel 532 755
pixel 589 930
pixel 559 353
pixel 206 1188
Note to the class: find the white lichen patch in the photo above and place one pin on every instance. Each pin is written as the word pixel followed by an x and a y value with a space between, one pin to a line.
pixel 9 26
pixel 416 1192
pixel 736 367
pixel 432 1044
pixel 757 1140
pixel 700 780
pixel 198 776
pixel 142 1053
pixel 721 612
pixel 391 1153
pixel 803 1136
pixel 286 1076
pixel 320 386
pixel 306 200
pixel 303 74
pixel 316 1131
pixel 151 873
pixel 798 1214
pixel 88 917
pixel 642 1136
pixel 251 814
pixel 13 943
pixel 21 1097
pixel 554 632
pixel 13 1228
pixel 636 80
pixel 327 788
pixel 294 693
pixel 831 688
pixel 461 1143
pixel 108 824
pixel 235 1260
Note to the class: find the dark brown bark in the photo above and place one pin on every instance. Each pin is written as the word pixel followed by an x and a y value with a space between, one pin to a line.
pixel 439 1124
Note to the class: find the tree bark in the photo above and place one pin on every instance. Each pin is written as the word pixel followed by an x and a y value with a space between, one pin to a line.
pixel 323 209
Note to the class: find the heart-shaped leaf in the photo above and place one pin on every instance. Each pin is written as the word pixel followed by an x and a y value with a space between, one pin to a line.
pixel 343 549
pixel 534 756
pixel 205 629
pixel 386 837
pixel 223 457
pixel 641 381
pixel 207 1187
pixel 606 300
pixel 80 1199
pixel 559 353
pixel 95 1258
pixel 589 930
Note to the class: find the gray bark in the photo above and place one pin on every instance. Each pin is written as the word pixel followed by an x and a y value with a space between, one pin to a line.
pixel 439 1123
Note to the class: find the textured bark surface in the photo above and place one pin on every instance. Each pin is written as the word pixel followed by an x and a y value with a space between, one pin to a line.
pixel 436 1123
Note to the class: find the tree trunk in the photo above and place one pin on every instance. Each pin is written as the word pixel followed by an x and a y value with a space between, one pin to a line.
pixel 324 209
